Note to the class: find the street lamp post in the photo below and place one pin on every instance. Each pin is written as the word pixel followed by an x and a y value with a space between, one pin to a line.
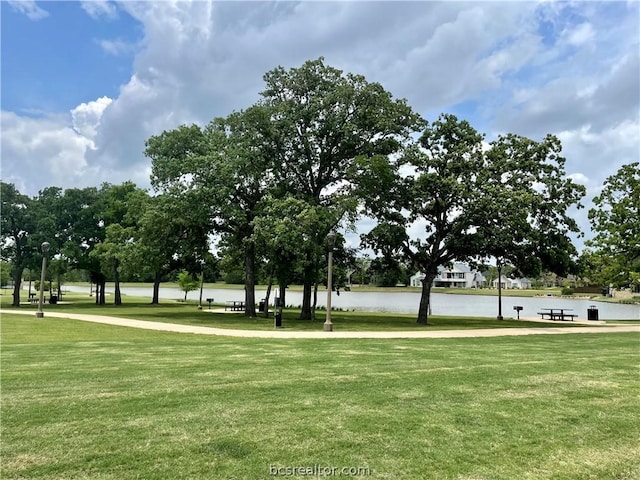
pixel 331 239
pixel 45 251
pixel 201 283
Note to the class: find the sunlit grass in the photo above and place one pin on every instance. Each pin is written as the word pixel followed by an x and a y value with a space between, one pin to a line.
pixel 84 400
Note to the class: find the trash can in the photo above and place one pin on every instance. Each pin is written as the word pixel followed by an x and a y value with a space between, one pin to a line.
pixel 53 299
pixel 592 313
pixel 261 305
pixel 277 319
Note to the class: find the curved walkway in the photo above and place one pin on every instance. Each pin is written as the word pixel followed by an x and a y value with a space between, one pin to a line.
pixel 484 332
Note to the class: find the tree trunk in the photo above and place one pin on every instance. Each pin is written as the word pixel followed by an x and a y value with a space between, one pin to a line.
pixel 101 299
pixel 156 289
pixel 116 276
pixel 306 312
pixel 425 299
pixel 315 299
pixel 267 295
pixel 17 285
pixel 250 281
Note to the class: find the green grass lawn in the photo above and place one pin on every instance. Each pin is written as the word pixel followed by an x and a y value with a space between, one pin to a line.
pixel 83 400
pixel 171 311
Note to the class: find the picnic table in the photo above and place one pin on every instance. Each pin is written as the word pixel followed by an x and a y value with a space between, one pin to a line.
pixel 235 306
pixel 557 313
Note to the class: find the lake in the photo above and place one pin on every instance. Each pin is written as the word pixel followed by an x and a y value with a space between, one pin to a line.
pixel 408 302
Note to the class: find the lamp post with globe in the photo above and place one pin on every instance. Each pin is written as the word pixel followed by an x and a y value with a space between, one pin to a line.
pixel 331 240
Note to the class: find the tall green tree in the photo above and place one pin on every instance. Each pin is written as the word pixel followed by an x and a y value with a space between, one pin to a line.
pixel 117 208
pixel 510 203
pixel 79 226
pixel 18 234
pixel 170 236
pixel 224 171
pixel 322 120
pixel 437 196
pixel 615 220
pixel 112 252
pixel 291 233
pixel 523 202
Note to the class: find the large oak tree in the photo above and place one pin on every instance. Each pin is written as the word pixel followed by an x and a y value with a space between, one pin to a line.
pixel 616 223
pixel 509 203
pixel 322 120
pixel 222 172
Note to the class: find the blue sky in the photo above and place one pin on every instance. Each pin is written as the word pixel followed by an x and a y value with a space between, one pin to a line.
pixel 56 63
pixel 84 84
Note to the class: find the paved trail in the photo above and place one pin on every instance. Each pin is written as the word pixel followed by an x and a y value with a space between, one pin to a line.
pixel 484 332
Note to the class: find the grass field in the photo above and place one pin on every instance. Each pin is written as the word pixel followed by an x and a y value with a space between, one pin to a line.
pixel 83 400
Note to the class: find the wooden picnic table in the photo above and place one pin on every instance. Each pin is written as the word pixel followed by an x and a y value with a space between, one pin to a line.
pixel 235 305
pixel 557 313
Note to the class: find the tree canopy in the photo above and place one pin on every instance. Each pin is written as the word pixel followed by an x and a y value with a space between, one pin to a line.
pixel 509 203
pixel 318 150
pixel 615 220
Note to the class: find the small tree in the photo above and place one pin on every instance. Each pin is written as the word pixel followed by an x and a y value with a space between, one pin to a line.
pixel 187 283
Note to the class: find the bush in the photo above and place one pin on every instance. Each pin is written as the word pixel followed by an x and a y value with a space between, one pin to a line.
pixel 235 277
pixel 36 286
pixel 567 291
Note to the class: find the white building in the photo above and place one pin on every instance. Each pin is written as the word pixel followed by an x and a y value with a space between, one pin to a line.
pixel 459 275
pixel 512 283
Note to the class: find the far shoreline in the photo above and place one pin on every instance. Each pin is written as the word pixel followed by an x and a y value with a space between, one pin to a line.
pixel 556 292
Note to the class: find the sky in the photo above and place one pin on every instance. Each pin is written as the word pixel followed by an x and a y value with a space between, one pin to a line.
pixel 84 84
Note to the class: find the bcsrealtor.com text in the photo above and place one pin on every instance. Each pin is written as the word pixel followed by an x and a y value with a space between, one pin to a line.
pixel 317 471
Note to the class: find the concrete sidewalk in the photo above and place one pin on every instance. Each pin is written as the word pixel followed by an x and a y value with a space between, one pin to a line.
pixel 424 333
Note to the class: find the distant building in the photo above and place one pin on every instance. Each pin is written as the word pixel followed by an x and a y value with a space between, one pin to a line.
pixel 512 283
pixel 459 275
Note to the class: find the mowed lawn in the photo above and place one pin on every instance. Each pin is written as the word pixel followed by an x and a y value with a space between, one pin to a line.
pixel 83 400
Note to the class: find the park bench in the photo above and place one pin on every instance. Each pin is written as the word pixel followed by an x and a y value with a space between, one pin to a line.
pixel 557 314
pixel 235 306
pixel 34 298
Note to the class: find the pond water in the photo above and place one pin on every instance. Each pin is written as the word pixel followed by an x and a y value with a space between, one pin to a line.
pixel 408 302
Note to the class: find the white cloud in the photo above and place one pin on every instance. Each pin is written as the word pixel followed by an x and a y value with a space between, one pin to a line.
pixel 579 178
pixel 116 47
pixel 47 149
pixel 30 8
pixel 100 8
pixel 86 116
pixel 579 35
pixel 529 68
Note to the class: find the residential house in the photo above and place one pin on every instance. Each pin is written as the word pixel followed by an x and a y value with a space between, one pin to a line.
pixel 459 275
pixel 512 283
